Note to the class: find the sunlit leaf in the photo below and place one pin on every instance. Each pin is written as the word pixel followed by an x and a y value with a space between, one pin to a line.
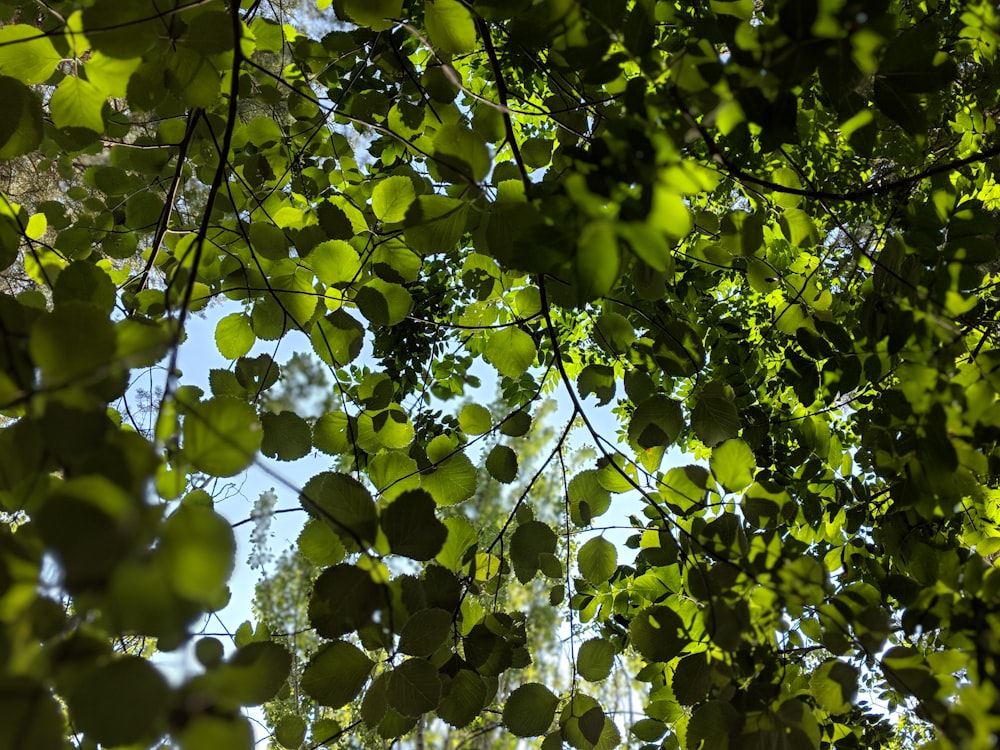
pixel 234 336
pixel 77 103
pixel 450 26
pixel 511 351
pixel 221 436
pixel 392 197
pixel 27 54
pixel 733 465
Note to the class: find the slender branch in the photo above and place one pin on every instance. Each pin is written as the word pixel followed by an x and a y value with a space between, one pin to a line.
pixel 213 193
pixel 168 204
pixel 501 83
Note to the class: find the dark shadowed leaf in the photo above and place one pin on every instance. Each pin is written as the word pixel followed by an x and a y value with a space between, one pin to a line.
pixel 336 674
pixel 529 710
pixel 411 526
pixel 414 687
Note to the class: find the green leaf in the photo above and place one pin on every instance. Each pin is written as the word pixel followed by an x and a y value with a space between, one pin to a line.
pixel 901 107
pixel 649 730
pixel 335 262
pixel 411 526
pixel 376 14
pixel 435 223
pixel 584 725
pixel 257 374
pixel 425 631
pixel 198 546
pixel 110 75
pixel 392 473
pixel 588 498
pixel 414 687
pixel 529 710
pixel 598 259
pixel 595 659
pixel 715 418
pixel 287 436
pixel 143 210
pixel 77 103
pixel 384 303
pixel 516 424
pixel 374 705
pixel 692 679
pixel 598 379
pixel 27 54
pixel 119 703
pixel 678 349
pixel 598 560
pixel 195 75
pixel 206 731
pixel 268 241
pixel 669 213
pixel 614 474
pixel 30 715
pixel 221 436
pixel 462 151
pixel 501 463
pixel 336 674
pixel 464 700
pixel 253 675
pixel 21 125
pixel 319 544
pixel 733 465
pixel 233 336
pixel 72 343
pixel 537 152
pixel 337 338
pixel 834 685
pixel 344 503
pixel 298 299
pixel 656 422
pixel 613 333
pixel 202 33
pixel 648 244
pixel 529 541
pixel 334 434
pixel 450 26
pixel 391 198
pixel 475 419
pixel 122 30
pixel 453 478
pixel 511 351
pixel 710 724
pixel 657 633
pixel 290 731
pixel 461 536
pixel 344 599
pixel 391 426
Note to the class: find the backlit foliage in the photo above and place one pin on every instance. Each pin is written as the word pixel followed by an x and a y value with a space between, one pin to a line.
pixel 761 231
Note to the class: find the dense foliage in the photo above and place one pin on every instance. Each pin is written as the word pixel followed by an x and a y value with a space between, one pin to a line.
pixel 762 231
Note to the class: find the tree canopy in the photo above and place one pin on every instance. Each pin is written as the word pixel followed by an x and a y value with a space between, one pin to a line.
pixel 762 234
